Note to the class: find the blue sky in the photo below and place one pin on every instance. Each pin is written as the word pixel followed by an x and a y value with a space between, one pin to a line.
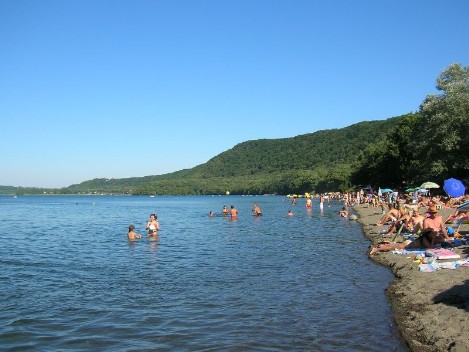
pixel 113 88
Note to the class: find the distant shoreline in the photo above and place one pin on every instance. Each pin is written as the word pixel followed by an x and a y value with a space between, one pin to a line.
pixel 65 194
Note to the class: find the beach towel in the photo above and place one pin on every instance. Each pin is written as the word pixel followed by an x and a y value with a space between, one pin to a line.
pixel 428 268
pixel 434 266
pixel 441 253
pixel 409 251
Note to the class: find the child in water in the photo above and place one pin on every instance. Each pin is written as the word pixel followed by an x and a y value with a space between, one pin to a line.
pixel 343 213
pixel 132 236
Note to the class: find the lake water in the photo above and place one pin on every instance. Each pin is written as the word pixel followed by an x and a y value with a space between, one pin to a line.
pixel 70 280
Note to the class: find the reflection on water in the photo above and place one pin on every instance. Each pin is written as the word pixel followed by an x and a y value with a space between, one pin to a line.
pixel 274 282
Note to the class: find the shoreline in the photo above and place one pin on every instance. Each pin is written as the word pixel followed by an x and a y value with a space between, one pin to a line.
pixel 431 310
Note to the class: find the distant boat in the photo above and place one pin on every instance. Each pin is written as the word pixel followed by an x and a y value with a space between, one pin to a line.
pixel 152 196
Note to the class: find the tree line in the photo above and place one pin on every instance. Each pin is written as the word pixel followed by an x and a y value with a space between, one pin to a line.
pixel 429 145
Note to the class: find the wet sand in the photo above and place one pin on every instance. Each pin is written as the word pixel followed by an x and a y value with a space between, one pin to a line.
pixel 431 309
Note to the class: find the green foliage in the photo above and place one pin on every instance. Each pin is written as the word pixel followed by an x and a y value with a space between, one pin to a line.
pixel 10 190
pixel 316 162
pixel 430 145
pixel 442 130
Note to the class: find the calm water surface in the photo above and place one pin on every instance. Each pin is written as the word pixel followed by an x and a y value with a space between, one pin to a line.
pixel 70 280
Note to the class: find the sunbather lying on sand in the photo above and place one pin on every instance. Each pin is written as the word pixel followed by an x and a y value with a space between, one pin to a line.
pixel 426 240
pixel 458 214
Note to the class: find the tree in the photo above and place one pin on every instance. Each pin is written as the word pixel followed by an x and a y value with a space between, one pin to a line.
pixel 443 141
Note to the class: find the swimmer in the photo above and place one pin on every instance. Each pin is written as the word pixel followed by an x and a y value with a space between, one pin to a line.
pixel 224 211
pixel 153 225
pixel 256 210
pixel 131 235
pixel 290 213
pixel 234 212
pixel 343 213
pixel 211 214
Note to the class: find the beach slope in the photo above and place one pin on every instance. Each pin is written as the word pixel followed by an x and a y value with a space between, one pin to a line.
pixel 431 309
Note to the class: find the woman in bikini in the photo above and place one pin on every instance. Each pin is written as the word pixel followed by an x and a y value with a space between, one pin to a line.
pixel 153 225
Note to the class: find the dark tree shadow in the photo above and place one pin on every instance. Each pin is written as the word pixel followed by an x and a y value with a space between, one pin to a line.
pixel 457 296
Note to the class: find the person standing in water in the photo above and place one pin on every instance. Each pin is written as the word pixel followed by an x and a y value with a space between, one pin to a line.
pixel 234 212
pixel 256 210
pixel 309 203
pixel 131 235
pixel 153 225
pixel 321 201
pixel 224 211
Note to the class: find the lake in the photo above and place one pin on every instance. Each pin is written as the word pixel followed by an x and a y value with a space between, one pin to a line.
pixel 70 280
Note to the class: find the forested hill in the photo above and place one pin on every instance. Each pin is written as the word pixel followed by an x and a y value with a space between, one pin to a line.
pixel 317 161
pixel 324 148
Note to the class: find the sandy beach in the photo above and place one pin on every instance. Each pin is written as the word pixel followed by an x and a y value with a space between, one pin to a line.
pixel 431 309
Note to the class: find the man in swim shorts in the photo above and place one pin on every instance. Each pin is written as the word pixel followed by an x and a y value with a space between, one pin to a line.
pixel 434 221
pixel 233 212
pixel 256 210
pixel 426 240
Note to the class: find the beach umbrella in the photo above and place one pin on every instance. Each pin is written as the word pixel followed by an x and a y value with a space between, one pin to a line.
pixel 386 190
pixel 464 206
pixel 411 189
pixel 429 185
pixel 423 190
pixel 454 188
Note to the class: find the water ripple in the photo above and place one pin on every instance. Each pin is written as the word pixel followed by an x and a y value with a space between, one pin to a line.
pixel 273 283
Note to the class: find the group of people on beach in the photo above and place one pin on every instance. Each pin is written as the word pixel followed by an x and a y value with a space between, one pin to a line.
pixel 152 226
pixel 429 228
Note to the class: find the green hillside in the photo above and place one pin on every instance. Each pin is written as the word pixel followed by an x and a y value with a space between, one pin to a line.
pixel 324 148
pixel 320 161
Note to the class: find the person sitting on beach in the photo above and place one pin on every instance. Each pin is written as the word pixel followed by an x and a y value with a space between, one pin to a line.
pixel 256 210
pixel 393 214
pixel 153 225
pixel 343 213
pixel 435 222
pixel 234 212
pixel 415 222
pixel 400 223
pixel 427 239
pixel 131 235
